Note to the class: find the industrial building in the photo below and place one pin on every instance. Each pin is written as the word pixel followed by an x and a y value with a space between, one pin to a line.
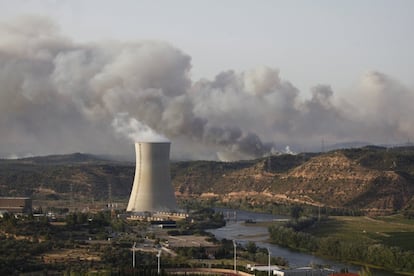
pixel 152 190
pixel 304 271
pixel 16 205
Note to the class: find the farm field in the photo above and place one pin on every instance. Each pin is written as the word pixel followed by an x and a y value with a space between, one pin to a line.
pixel 390 230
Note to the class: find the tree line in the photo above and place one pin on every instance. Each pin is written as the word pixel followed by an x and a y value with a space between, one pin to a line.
pixel 390 258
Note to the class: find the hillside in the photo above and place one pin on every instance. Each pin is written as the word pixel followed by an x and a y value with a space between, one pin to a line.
pixel 79 175
pixel 369 178
pixel 372 178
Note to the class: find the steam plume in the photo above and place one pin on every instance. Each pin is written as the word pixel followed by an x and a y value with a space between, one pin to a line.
pixel 135 130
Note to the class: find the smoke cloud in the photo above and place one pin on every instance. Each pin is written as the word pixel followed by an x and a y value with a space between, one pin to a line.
pixel 59 96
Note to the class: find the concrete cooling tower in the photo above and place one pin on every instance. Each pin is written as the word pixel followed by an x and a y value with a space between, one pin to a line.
pixel 152 190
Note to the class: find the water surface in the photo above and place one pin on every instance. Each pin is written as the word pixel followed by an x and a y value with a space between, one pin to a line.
pixel 236 229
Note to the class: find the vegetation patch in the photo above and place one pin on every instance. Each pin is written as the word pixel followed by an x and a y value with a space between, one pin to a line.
pixel 385 242
pixel 404 240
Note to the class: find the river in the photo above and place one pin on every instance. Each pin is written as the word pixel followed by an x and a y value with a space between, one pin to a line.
pixel 237 230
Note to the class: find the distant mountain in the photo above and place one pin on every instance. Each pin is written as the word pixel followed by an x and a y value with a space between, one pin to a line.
pixel 372 178
pixel 65 159
pixel 360 144
pixel 347 145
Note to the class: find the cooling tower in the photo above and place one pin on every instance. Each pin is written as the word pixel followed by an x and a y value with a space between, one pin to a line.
pixel 152 190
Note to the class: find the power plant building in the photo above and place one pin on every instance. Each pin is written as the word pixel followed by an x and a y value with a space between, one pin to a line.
pixel 17 205
pixel 152 190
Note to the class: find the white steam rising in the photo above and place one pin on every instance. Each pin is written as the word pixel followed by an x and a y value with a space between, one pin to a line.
pixel 59 96
pixel 135 130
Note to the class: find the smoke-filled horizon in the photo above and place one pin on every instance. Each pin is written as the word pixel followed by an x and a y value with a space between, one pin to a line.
pixel 60 96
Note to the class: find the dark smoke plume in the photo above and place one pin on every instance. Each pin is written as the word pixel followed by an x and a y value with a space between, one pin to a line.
pixel 59 96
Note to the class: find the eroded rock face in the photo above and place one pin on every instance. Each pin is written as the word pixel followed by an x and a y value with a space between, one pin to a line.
pixel 336 180
pixel 331 179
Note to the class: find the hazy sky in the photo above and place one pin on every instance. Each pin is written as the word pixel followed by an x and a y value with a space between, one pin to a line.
pixel 310 42
pixel 220 79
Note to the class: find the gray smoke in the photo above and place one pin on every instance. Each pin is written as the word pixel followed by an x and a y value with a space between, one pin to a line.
pixel 59 96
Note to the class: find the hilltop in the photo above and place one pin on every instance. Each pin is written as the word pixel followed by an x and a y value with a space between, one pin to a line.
pixel 371 178
pixel 61 159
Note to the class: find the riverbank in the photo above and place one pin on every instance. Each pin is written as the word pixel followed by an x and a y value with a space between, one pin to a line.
pixel 371 241
pixel 258 233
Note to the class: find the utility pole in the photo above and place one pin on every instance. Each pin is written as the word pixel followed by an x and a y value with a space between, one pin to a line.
pixel 319 213
pixel 109 195
pixel 71 196
pixel 159 257
pixel 133 254
pixel 235 256
pixel 268 251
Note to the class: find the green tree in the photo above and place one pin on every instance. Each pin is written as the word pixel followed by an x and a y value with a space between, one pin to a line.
pixel 296 211
pixel 251 247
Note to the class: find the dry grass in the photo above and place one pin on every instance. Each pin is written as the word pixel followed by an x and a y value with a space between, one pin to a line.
pixel 70 255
